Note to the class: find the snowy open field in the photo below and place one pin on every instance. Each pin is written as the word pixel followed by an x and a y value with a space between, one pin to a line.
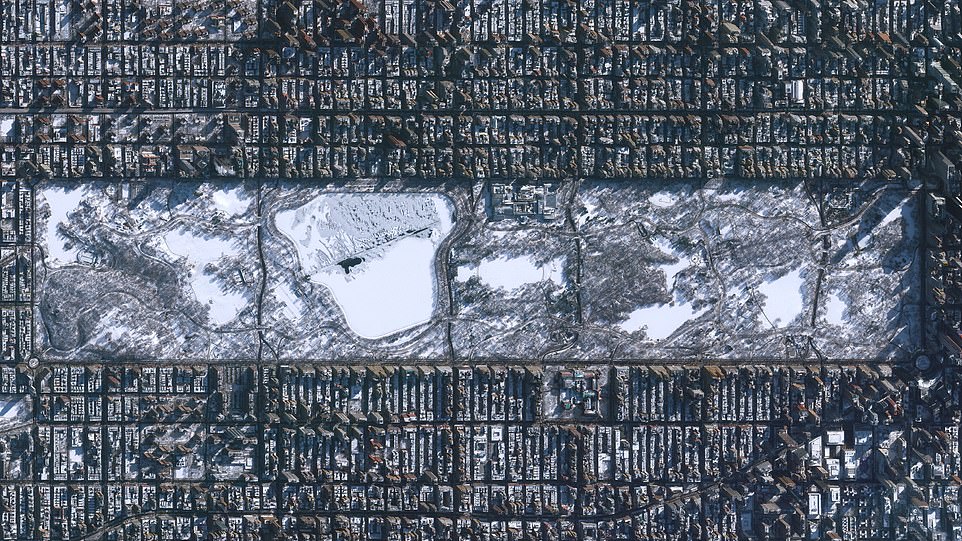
pixel 512 289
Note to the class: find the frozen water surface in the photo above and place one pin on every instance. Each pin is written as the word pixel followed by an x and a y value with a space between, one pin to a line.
pixel 394 293
pixel 392 237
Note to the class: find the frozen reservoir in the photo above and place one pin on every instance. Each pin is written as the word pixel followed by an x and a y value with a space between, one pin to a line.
pixel 375 253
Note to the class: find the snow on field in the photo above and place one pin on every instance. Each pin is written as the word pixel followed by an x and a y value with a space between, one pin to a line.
pixel 893 215
pixel 117 325
pixel 512 273
pixel 199 252
pixel 114 330
pixel 671 269
pixel 835 309
pixel 234 201
pixel 783 298
pixel 903 208
pixel 395 236
pixel 663 199
pixel 61 201
pixel 590 211
pixel 293 305
pixel 726 197
pixel 661 320
pixel 445 210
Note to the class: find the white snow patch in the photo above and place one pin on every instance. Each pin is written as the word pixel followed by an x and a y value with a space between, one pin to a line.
pixel 234 201
pixel 6 126
pixel 110 327
pixel 13 409
pixel 671 269
pixel 893 215
pixel 834 309
pixel 907 206
pixel 200 252
pixel 727 197
pixel 590 213
pixel 662 320
pixel 445 215
pixel 512 273
pixel 663 199
pixel 783 298
pixel 62 201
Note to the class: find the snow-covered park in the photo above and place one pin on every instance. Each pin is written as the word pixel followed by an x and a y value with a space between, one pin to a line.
pixel 237 270
pixel 204 269
pixel 752 270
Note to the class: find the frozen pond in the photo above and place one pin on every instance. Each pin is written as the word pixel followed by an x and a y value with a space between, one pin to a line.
pixel 374 252
pixel 512 273
pixel 392 294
